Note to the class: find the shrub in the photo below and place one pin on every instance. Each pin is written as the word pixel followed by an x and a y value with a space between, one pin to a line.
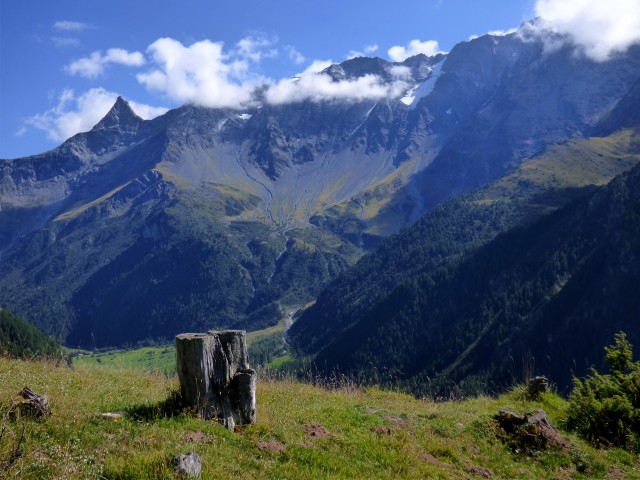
pixel 605 409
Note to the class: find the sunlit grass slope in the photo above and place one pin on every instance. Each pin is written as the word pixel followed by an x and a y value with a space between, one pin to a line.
pixel 302 432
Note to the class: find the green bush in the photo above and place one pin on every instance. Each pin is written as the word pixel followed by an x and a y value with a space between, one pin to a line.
pixel 605 409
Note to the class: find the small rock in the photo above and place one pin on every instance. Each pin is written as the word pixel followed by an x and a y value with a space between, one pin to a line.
pixel 187 465
pixel 113 415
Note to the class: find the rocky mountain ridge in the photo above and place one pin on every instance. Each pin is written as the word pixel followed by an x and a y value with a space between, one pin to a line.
pixel 288 195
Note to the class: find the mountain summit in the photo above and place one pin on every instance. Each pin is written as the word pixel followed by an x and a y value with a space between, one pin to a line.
pixel 121 115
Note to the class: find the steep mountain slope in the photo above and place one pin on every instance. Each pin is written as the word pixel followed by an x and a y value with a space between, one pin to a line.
pixel 539 186
pixel 554 290
pixel 19 339
pixel 208 218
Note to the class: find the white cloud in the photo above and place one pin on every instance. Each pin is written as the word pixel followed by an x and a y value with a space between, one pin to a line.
pixel 89 67
pixel 65 41
pixel 502 33
pixel 200 74
pixel 316 86
pixel 496 33
pixel 79 114
pixel 21 131
pixel 369 49
pixel 93 65
pixel 366 52
pixel 415 47
pixel 597 28
pixel 123 57
pixel 255 48
pixel 400 72
pixel 294 55
pixel 321 87
pixel 71 26
pixel 316 66
pixel 145 111
pixel 204 74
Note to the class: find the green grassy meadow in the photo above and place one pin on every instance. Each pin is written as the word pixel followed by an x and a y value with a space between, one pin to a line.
pixel 146 359
pixel 161 359
pixel 302 432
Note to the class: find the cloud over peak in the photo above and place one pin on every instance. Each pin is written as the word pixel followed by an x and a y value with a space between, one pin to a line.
pixel 414 47
pixel 598 29
pixel 73 114
pixel 204 74
pixel 201 73
pixel 321 87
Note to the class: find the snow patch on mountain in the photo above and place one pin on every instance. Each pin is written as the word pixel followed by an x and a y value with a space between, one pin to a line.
pixel 423 89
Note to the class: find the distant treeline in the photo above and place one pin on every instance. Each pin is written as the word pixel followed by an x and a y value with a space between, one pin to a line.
pixel 19 339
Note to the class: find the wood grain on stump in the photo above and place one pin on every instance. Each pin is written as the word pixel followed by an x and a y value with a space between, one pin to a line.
pixel 215 376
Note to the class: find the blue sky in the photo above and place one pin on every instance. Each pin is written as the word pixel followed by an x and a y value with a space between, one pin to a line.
pixel 63 62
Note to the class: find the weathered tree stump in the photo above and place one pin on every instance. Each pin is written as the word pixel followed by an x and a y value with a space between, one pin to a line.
pixel 215 376
pixel 537 386
pixel 529 433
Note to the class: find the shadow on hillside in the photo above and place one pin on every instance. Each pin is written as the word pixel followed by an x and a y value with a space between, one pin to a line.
pixel 172 406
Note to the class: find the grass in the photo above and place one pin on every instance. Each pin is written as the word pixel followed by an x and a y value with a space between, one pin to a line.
pixel 156 359
pixel 256 335
pixel 77 211
pixel 302 432
pixel 147 359
pixel 573 164
pixel 279 361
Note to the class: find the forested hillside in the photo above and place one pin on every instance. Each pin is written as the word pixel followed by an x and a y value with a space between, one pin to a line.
pixel 19 339
pixel 455 303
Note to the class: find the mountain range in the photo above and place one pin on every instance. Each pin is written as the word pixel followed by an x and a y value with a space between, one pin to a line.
pixel 489 289
pixel 215 218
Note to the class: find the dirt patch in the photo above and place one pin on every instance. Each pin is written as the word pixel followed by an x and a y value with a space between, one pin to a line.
pixel 397 421
pixel 480 471
pixel 616 473
pixel 474 449
pixel 42 456
pixel 383 430
pixel 315 430
pixel 428 458
pixel 304 444
pixel 273 446
pixel 195 437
